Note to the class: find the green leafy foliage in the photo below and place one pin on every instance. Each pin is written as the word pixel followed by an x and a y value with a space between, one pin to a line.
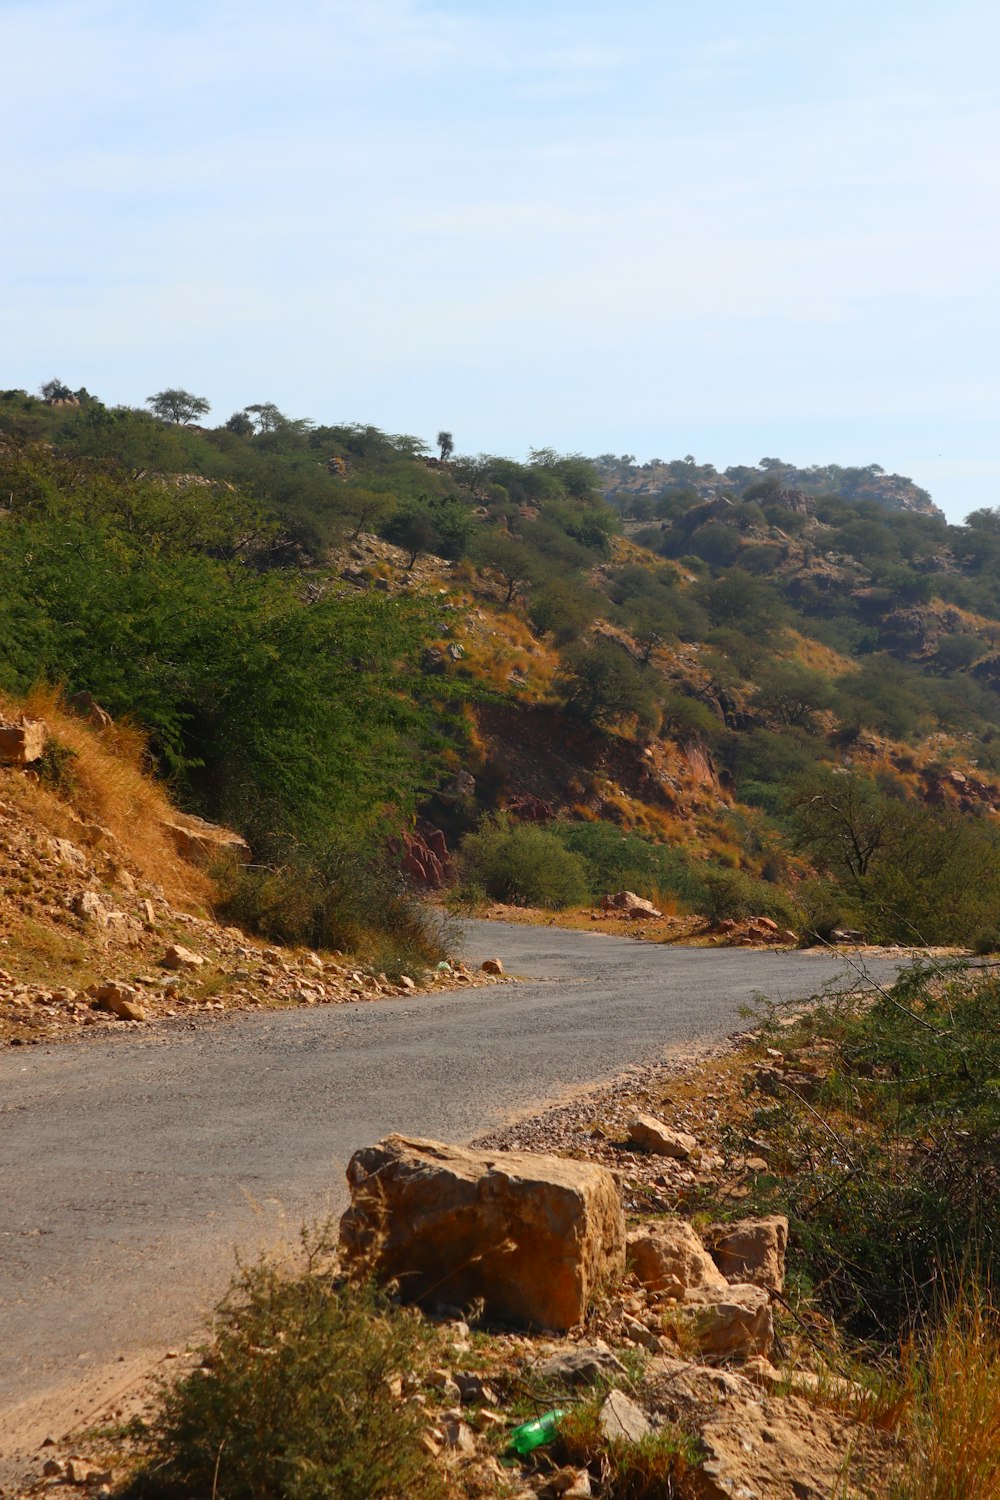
pixel 604 685
pixel 890 1176
pixel 617 861
pixel 524 864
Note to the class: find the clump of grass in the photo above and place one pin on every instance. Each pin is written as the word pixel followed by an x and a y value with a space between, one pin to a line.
pixel 955 1425
pixel 298 1399
pixel 103 776
pixel 658 1467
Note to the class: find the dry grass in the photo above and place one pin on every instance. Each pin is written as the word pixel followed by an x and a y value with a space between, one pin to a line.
pixel 106 789
pixel 955 1427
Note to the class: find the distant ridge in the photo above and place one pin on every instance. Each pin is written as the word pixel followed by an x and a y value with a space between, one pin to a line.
pixel 705 482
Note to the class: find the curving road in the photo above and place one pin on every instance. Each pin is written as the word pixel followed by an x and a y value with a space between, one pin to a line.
pixel 130 1169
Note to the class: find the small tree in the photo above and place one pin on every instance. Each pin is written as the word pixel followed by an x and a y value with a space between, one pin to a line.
pixel 177 406
pixel 843 822
pixel 446 445
pixel 412 528
pixel 55 390
pixel 514 562
pixel 792 694
pixel 604 684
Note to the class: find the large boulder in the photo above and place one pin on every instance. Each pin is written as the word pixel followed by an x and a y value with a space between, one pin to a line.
pixel 23 742
pixel 732 1324
pixel 668 1257
pixel 751 1250
pixel 630 905
pixel 203 843
pixel 531 1236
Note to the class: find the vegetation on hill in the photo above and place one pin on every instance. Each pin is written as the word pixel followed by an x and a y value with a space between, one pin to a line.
pixel 784 681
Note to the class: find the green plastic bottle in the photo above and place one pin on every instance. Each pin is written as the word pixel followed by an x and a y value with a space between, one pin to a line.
pixel 531 1435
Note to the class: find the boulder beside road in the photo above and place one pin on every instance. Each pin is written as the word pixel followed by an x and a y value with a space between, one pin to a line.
pixel 530 1236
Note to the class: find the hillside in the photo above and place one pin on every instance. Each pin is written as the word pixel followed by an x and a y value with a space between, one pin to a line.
pixel 112 900
pixel 773 694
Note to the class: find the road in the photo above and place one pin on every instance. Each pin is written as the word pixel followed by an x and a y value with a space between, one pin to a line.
pixel 132 1167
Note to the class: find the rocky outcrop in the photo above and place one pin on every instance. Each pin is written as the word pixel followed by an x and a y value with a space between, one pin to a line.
pixel 23 742
pixel 531 1236
pixel 668 1258
pixel 425 857
pixel 730 1324
pixel 204 843
pixel 751 1250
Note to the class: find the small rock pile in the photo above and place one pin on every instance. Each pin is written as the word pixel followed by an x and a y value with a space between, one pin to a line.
pixel 752 931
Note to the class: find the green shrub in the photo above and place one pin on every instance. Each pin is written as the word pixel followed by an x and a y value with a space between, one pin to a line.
pixel 295 1400
pixel 346 899
pixel 618 861
pixel 604 685
pixel 523 864
pixel 734 894
pixel 890 1175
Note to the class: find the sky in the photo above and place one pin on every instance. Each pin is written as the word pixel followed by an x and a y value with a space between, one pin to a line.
pixel 728 229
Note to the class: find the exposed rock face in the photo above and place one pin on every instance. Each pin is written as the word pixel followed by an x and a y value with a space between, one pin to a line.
pixel 730 1324
pixel 425 857
pixel 88 708
pixel 781 1449
pixel 202 842
pixel 533 1236
pixel 667 1256
pixel 752 1250
pixel 621 1419
pixel 22 743
pixel 650 1134
pixel 581 1364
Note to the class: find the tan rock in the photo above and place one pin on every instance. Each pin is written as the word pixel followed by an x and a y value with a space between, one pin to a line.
pixel 668 1257
pixel 730 1324
pixel 178 957
pixel 83 1471
pixel 779 1449
pixel 621 1419
pixel 458 1435
pixel 202 843
pixel 492 966
pixel 120 1000
pixel 751 1250
pixel 632 906
pixel 23 743
pixel 650 1134
pixel 90 907
pixel 67 853
pixel 533 1236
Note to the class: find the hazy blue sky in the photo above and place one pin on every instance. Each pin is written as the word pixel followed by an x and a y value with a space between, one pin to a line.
pixel 724 228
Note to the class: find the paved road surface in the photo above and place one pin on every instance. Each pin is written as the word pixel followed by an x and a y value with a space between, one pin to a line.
pixel 130 1169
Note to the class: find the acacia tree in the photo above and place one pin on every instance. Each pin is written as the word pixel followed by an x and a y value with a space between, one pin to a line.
pixel 514 562
pixel 177 406
pixel 55 390
pixel 446 444
pixel 843 822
